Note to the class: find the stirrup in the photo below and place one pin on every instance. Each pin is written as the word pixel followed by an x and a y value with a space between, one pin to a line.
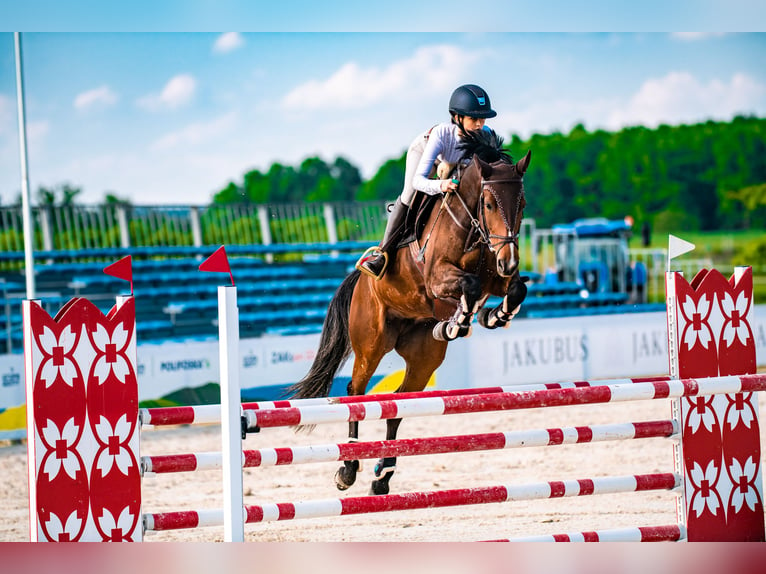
pixel 366 255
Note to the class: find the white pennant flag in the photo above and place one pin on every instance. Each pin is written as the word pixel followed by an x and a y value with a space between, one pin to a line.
pixel 676 247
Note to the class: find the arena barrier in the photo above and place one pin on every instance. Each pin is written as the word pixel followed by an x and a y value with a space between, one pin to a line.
pixel 84 425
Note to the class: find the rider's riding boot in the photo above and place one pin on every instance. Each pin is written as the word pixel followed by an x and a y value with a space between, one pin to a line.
pixel 375 265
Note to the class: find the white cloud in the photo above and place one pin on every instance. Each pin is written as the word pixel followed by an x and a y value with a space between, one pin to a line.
pixel 679 97
pixel 178 91
pixel 228 42
pixel 197 133
pixel 431 69
pixel 676 98
pixel 101 96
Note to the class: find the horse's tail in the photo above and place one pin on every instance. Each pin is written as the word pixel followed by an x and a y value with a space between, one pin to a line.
pixel 334 345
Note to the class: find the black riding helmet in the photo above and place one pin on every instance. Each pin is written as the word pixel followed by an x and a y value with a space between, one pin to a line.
pixel 472 101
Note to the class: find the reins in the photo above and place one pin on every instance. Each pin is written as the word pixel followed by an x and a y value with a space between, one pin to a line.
pixel 478 224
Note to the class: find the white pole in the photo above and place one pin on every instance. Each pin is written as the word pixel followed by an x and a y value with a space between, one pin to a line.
pixel 231 415
pixel 29 262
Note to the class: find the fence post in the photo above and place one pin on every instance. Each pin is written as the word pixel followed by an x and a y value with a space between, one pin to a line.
pixel 231 415
pixel 263 221
pixel 45 227
pixel 196 226
pixel 332 227
pixel 122 221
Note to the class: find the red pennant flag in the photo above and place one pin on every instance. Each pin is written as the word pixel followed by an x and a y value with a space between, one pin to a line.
pixel 217 263
pixel 122 269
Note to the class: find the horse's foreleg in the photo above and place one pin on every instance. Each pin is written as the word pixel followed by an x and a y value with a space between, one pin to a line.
pixel 459 325
pixel 502 315
pixel 385 468
pixel 346 475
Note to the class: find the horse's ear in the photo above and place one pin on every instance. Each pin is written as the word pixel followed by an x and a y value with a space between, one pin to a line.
pixel 523 163
pixel 484 168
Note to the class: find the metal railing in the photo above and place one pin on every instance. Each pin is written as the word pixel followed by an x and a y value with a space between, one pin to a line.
pixel 655 260
pixel 87 227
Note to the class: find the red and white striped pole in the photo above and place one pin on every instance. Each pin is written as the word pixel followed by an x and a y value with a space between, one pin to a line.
pixel 461 404
pixel 420 500
pixel 204 414
pixel 415 446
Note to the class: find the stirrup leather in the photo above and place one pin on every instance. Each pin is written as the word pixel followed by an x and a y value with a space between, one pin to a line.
pixel 374 250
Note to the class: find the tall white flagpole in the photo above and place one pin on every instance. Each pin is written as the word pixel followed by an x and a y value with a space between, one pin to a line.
pixel 26 209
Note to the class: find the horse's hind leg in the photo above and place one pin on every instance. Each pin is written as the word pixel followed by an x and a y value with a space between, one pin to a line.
pixel 346 475
pixel 370 341
pixel 423 354
pixel 384 470
pixel 363 370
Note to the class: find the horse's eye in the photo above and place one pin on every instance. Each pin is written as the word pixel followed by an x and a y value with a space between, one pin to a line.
pixel 490 207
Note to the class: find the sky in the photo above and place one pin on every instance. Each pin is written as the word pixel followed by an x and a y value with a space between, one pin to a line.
pixel 171 117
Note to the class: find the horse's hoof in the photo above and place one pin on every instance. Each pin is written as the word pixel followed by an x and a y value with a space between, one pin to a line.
pixel 378 487
pixel 483 318
pixel 441 332
pixel 344 479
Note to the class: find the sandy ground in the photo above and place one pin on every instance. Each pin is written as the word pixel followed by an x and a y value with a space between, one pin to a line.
pixel 185 491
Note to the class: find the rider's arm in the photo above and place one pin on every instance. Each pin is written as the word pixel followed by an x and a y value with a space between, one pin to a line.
pixel 434 147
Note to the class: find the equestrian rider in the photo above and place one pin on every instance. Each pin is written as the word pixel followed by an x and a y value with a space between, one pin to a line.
pixel 469 106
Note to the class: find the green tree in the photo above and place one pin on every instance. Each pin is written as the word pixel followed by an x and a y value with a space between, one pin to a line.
pixel 386 184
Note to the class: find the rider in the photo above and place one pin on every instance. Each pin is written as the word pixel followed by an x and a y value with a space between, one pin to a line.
pixel 469 106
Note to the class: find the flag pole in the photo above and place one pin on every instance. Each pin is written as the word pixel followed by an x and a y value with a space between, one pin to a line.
pixel 26 209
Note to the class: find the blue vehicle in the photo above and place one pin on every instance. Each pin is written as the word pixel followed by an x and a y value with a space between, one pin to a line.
pixel 594 253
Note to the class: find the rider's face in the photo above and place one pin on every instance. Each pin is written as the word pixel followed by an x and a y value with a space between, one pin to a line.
pixel 471 124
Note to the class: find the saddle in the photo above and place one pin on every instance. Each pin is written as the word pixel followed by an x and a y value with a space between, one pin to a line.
pixel 417 216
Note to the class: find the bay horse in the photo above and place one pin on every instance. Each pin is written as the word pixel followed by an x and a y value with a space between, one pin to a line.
pixel 468 250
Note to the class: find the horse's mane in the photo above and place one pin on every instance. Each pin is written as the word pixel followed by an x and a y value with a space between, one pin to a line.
pixel 486 144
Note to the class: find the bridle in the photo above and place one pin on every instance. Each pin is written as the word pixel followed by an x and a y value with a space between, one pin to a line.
pixel 479 224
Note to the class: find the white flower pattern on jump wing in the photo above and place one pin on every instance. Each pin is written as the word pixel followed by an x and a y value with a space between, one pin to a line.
pixel 57 362
pixel 63 533
pixel 696 330
pixel 744 491
pixel 116 529
pixel 735 415
pixel 705 417
pixel 115 453
pixel 61 441
pixel 735 326
pixel 110 360
pixel 705 495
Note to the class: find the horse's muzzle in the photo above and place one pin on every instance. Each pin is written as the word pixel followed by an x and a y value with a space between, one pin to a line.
pixel 507 267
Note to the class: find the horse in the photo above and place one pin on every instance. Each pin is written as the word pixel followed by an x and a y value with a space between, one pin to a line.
pixel 467 249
